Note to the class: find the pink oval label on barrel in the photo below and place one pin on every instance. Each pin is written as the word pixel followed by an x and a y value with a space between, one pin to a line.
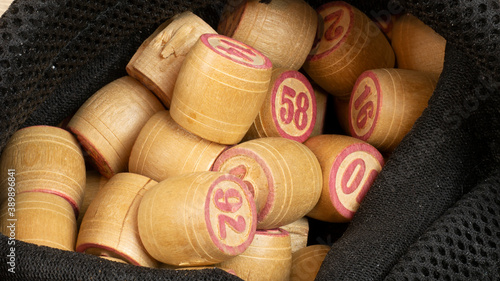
pixel 230 215
pixel 293 106
pixel 364 106
pixel 337 20
pixel 236 51
pixel 352 174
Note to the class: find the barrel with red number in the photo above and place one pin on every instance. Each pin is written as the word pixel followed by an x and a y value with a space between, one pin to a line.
pixel 348 43
pixel 417 46
pixel 349 168
pixel 282 30
pixel 220 89
pixel 109 227
pixel 158 60
pixel 108 123
pixel 44 159
pixel 289 110
pixel 197 219
pixel 307 261
pixel 283 175
pixel 269 257
pixel 385 103
pixel 39 218
pixel 164 149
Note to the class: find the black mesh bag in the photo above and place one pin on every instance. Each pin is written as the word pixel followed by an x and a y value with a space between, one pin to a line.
pixel 432 213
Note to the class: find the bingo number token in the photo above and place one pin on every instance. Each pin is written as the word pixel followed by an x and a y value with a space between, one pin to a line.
pixel 365 106
pixel 233 79
pixel 289 110
pixel 349 168
pixel 195 219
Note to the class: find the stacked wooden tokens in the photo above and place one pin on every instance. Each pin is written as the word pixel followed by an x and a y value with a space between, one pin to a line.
pixel 348 44
pixel 158 60
pixel 46 169
pixel 283 175
pixel 108 123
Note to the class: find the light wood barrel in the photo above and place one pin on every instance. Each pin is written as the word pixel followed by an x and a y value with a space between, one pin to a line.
pixel 269 257
pixel 157 62
pixel 109 227
pixel 307 261
pixel 45 159
pixel 299 233
pixel 164 149
pixel 220 89
pixel 283 30
pixel 349 168
pixel 283 175
pixel 289 110
pixel 40 218
pixel 348 44
pixel 108 123
pixel 197 219
pixel 385 103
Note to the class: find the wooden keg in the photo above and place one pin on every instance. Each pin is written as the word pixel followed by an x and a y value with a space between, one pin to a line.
pixel 220 89
pixel 321 108
pixel 158 60
pixel 269 257
pixel 299 233
pixel 417 46
pixel 289 110
pixel 164 149
pixel 197 219
pixel 109 227
pixel 349 168
pixel 283 30
pixel 40 218
pixel 108 123
pixel 385 103
pixel 94 182
pixel 348 44
pixel 306 262
pixel 45 159
pixel 283 175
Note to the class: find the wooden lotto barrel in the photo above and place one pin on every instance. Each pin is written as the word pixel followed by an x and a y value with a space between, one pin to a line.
pixel 93 183
pixel 299 233
pixel 385 103
pixel 349 168
pixel 289 109
pixel 321 108
pixel 157 62
pixel 164 149
pixel 108 123
pixel 306 262
pixel 269 257
pixel 109 227
pixel 44 159
pixel 283 175
pixel 233 79
pixel 197 219
pixel 417 46
pixel 348 44
pixel 283 30
pixel 40 218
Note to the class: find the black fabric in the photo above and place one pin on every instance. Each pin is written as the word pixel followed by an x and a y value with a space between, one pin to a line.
pixel 433 212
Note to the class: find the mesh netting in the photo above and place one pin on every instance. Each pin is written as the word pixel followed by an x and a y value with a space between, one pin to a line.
pixel 433 212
